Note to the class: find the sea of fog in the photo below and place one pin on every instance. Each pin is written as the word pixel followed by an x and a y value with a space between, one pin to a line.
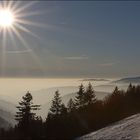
pixel 43 89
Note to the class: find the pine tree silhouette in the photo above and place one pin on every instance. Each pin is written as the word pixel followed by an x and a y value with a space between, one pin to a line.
pixel 57 107
pixel 80 98
pixel 71 105
pixel 25 116
pixel 89 96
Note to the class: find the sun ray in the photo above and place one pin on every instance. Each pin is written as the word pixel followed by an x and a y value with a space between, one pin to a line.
pixel 34 56
pixel 14 5
pixel 3 52
pixel 25 7
pixel 20 24
pixel 12 39
pixel 20 59
pixel 30 14
pixel 26 30
pixel 27 22
pixel 20 37
pixel 9 5
pixel 36 24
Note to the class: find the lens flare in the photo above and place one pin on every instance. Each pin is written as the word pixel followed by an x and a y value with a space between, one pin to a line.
pixel 13 24
pixel 6 18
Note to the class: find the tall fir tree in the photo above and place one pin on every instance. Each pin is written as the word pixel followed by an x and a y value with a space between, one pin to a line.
pixel 57 106
pixel 25 116
pixel 79 99
pixel 89 96
pixel 71 105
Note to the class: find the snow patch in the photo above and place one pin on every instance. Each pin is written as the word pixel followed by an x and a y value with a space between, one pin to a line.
pixel 128 128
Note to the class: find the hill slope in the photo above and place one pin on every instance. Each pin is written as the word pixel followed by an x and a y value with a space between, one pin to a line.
pixel 4 123
pixel 7 111
pixel 128 128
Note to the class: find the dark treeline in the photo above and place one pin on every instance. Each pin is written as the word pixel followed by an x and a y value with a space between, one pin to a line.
pixel 83 114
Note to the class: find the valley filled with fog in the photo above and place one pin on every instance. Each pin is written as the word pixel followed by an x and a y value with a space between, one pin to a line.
pixel 43 91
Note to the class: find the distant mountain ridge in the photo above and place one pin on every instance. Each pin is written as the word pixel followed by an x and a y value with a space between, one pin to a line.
pixel 129 80
pixel 94 79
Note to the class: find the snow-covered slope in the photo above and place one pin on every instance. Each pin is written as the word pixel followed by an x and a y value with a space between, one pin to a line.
pixel 128 128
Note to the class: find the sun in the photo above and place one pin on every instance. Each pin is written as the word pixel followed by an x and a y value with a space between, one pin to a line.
pixel 15 25
pixel 6 18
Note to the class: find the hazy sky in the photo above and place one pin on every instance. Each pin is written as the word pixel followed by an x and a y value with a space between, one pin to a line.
pixel 77 39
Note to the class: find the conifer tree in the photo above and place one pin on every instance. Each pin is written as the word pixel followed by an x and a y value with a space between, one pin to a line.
pixel 130 88
pixel 63 109
pixel 71 105
pixel 57 106
pixel 89 96
pixel 79 99
pixel 25 116
pixel 116 91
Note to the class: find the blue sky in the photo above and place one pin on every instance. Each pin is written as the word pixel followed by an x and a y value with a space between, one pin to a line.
pixel 77 39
